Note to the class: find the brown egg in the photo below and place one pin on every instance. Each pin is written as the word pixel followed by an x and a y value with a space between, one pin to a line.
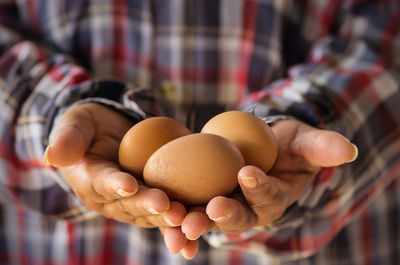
pixel 144 138
pixel 250 134
pixel 195 168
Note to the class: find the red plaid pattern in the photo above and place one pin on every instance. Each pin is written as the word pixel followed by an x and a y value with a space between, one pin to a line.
pixel 332 64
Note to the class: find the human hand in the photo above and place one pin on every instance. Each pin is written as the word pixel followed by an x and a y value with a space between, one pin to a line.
pixel 85 149
pixel 303 151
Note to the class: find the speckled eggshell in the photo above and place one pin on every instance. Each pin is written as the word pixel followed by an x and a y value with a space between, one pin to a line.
pixel 195 168
pixel 250 134
pixel 144 138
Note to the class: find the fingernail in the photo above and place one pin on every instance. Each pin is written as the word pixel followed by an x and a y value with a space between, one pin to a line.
pixel 188 236
pixel 219 219
pixel 153 211
pixel 124 193
pixel 195 237
pixel 249 182
pixel 192 238
pixel 355 154
pixel 45 157
pixel 168 221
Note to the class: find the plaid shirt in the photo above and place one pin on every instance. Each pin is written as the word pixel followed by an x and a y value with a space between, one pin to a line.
pixel 333 64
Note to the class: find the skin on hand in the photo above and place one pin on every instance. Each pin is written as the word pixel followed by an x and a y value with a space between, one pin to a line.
pixel 303 151
pixel 85 149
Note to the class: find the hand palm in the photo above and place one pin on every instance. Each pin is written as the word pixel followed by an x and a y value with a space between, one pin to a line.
pixel 303 151
pixel 85 148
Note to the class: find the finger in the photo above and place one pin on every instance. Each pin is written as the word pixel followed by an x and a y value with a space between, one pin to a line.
pixel 174 239
pixel 323 148
pixel 100 180
pixel 267 196
pixel 116 212
pixel 113 184
pixel 175 215
pixel 145 208
pixel 171 218
pixel 72 136
pixel 195 224
pixel 143 222
pixel 190 249
pixel 231 216
pixel 147 201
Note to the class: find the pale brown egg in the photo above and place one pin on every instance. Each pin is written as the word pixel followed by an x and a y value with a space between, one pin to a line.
pixel 195 168
pixel 144 138
pixel 250 134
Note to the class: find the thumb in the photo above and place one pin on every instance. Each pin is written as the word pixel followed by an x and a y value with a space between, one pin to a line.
pixel 72 137
pixel 323 148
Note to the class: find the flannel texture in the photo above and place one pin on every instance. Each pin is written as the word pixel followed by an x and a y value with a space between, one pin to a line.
pixel 332 64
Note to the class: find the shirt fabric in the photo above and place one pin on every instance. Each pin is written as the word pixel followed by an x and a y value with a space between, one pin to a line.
pixel 333 64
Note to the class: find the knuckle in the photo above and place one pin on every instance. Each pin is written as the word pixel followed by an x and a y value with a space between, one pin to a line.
pixel 270 211
pixel 238 222
pixel 113 211
pixel 272 201
pixel 143 222
pixel 121 207
pixel 98 188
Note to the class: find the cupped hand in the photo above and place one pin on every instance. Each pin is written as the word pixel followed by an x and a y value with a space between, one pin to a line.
pixel 264 197
pixel 84 147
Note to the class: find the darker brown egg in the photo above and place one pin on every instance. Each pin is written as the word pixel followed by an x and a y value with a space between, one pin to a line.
pixel 195 168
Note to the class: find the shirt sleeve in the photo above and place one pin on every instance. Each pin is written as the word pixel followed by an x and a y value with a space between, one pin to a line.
pixel 350 84
pixel 37 86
